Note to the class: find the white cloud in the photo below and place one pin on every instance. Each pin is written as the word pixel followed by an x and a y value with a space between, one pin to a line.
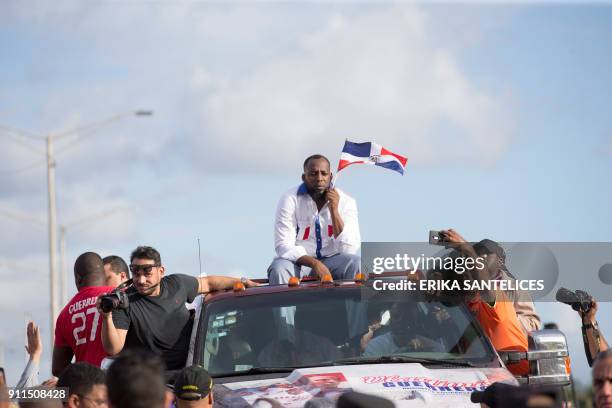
pixel 220 74
pixel 368 77
pixel 258 85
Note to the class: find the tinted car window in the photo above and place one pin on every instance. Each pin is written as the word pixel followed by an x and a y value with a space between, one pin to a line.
pixel 318 326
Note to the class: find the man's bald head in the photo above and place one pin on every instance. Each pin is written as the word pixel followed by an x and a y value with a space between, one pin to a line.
pixel 89 270
pixel 602 379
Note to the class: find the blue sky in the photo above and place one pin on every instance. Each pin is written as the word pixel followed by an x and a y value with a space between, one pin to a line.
pixel 502 111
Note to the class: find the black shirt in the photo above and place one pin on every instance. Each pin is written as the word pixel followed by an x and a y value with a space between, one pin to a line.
pixel 161 323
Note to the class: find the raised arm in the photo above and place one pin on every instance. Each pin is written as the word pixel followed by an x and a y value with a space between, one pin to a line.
pixel 209 284
pixel 480 271
pixel 29 377
pixel 594 341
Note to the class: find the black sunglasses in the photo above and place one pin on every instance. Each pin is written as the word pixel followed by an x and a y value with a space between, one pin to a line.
pixel 144 268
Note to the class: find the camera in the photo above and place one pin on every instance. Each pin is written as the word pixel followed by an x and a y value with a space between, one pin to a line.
pixel 579 300
pixel 435 238
pixel 117 299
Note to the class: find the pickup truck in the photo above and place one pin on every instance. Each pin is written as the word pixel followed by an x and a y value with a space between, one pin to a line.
pixel 312 339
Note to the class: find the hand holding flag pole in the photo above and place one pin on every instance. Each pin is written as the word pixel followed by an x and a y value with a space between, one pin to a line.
pixel 369 153
pixel 333 182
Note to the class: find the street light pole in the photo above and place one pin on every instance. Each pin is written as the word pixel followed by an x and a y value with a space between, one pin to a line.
pixel 52 207
pixel 52 235
pixel 62 270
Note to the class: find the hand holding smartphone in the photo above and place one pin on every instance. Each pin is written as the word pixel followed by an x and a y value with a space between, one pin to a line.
pixel 436 238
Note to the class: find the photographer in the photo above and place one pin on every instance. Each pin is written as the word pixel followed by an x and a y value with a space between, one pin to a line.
pixel 77 331
pixel 521 299
pixel 155 317
pixel 496 257
pixel 492 308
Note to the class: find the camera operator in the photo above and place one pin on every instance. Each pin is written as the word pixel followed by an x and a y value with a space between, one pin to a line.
pixel 155 317
pixel 77 331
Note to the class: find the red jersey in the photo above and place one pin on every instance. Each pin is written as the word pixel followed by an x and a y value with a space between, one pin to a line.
pixel 79 325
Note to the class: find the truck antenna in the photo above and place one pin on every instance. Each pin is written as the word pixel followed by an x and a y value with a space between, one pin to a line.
pixel 200 256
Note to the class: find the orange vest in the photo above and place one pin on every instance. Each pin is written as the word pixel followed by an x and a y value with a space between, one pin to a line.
pixel 500 324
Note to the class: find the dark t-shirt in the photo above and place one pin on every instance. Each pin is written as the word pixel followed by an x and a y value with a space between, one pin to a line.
pixel 161 323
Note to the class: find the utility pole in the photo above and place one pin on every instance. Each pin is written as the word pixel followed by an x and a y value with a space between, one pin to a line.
pixel 52 234
pixel 52 208
pixel 62 270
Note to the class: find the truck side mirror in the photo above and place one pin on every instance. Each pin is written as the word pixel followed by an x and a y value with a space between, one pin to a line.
pixel 549 361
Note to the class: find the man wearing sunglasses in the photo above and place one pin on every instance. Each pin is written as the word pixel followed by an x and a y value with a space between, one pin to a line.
pixel 156 318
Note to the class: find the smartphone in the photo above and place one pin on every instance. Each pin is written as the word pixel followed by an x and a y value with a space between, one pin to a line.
pixel 435 238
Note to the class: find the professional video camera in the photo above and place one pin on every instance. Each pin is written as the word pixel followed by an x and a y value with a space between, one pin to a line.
pixel 117 299
pixel 579 300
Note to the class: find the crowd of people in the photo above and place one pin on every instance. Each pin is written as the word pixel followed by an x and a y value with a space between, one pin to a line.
pixel 317 234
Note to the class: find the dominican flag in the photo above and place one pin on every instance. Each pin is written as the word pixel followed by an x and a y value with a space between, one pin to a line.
pixel 371 153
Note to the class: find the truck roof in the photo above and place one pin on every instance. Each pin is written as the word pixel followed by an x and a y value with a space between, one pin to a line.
pixel 306 283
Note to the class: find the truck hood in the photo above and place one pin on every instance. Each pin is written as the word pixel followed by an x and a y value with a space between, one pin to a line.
pixel 406 384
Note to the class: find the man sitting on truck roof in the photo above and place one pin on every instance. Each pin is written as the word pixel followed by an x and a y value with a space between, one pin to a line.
pixel 315 226
pixel 156 318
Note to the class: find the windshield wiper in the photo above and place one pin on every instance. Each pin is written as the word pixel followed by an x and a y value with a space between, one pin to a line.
pixel 403 359
pixel 263 370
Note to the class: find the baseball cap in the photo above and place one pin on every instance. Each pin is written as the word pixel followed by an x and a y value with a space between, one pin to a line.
pixel 488 246
pixel 192 383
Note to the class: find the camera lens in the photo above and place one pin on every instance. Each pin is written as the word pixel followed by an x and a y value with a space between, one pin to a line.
pixel 107 304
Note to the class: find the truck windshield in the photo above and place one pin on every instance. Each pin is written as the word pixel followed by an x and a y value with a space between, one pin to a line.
pixel 321 326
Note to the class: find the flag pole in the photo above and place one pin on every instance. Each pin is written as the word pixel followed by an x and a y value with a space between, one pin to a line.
pixel 334 179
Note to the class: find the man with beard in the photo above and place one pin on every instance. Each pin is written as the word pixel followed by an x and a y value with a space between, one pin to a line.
pixel 315 226
pixel 156 318
pixel 493 309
